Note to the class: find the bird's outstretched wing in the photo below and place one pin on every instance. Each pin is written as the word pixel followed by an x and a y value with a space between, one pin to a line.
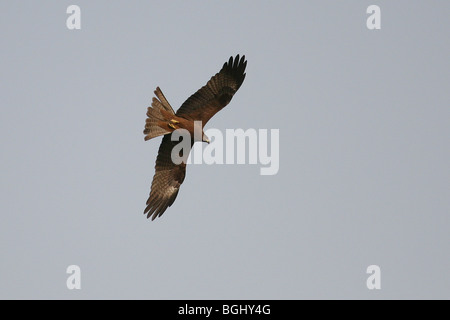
pixel 167 179
pixel 216 94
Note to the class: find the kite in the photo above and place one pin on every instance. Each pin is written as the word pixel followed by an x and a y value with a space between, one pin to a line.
pixel 162 121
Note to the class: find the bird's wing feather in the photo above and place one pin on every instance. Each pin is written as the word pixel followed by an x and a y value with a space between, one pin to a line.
pixel 167 179
pixel 216 94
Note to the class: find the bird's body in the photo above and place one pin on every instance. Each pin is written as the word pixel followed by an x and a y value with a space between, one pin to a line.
pixel 162 121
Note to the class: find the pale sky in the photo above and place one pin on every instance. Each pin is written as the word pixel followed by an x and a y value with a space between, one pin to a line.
pixel 363 122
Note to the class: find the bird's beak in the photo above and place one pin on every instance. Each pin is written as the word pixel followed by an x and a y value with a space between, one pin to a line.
pixel 207 141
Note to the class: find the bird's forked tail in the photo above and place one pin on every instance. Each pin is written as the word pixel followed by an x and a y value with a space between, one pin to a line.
pixel 158 116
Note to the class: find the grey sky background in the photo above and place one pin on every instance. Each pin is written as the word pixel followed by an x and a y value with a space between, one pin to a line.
pixel 364 151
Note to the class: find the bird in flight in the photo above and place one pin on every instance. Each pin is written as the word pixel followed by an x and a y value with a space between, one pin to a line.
pixel 162 121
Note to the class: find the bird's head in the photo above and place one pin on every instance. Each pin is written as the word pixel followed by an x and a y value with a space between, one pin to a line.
pixel 205 138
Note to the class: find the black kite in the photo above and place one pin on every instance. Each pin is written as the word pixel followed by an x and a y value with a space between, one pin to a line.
pixel 162 120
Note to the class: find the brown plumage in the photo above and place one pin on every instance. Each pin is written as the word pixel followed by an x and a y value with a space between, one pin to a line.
pixel 162 120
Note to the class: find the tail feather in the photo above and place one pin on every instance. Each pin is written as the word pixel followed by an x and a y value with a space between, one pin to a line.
pixel 155 124
pixel 163 100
